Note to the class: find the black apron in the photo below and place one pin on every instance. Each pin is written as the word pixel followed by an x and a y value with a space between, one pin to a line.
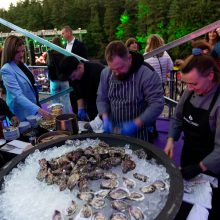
pixel 124 103
pixel 199 142
pixel 198 137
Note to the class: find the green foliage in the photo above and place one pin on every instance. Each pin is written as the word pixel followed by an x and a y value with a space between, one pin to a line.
pixel 107 20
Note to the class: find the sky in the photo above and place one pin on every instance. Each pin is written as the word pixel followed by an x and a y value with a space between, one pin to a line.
pixel 6 3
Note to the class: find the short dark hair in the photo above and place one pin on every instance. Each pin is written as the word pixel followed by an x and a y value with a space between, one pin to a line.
pixel 68 65
pixel 115 48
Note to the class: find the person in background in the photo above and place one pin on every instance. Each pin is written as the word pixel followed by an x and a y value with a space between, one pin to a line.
pixel 4 110
pixel 132 44
pixel 54 59
pixel 73 45
pixel 198 115
pixel 162 62
pixel 85 77
pixel 130 95
pixel 21 93
pixel 212 38
pixel 202 44
pixel 77 47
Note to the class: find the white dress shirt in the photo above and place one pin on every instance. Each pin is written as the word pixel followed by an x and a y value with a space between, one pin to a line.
pixel 70 45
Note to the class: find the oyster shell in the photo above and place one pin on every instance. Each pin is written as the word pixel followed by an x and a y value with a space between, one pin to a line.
pixel 136 196
pixel 72 209
pixel 73 180
pixel 118 216
pixel 86 211
pixel 136 213
pixel 159 184
pixel 119 205
pixel 129 183
pixel 148 189
pixel 98 216
pixel 140 177
pixel 102 193
pixel 109 184
pixel 97 202
pixel 119 193
pixel 128 165
pixel 85 196
pixel 110 175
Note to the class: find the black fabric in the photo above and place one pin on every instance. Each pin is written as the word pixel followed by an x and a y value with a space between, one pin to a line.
pixel 198 137
pixel 30 76
pixel 79 49
pixel 54 61
pixel 4 109
pixel 190 171
pixel 87 87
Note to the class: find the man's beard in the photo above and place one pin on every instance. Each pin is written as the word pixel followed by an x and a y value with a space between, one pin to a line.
pixel 122 77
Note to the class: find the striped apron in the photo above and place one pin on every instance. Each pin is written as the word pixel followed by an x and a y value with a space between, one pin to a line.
pixel 126 103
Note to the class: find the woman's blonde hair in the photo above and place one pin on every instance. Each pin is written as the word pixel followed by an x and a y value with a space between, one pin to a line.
pixel 154 41
pixel 10 47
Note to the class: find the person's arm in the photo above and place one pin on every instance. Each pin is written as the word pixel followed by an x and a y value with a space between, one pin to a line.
pixel 102 101
pixel 151 88
pixel 212 160
pixel 12 86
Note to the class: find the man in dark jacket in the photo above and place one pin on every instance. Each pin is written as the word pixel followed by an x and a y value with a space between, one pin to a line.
pixel 85 78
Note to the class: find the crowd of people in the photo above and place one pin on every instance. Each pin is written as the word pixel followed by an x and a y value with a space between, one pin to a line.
pixel 127 95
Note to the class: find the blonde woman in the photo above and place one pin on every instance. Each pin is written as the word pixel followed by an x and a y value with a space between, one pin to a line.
pixel 162 62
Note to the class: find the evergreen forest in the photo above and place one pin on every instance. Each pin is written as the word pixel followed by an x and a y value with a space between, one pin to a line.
pixel 107 20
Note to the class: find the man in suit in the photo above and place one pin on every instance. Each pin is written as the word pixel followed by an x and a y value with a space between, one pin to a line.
pixel 73 45
pixel 77 47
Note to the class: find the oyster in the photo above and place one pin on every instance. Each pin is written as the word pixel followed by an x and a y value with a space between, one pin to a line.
pixel 43 163
pixel 109 184
pixel 86 211
pixel 119 205
pixel 41 174
pixel 110 175
pixel 102 193
pixel 97 202
pixel 129 183
pixel 148 189
pixel 118 216
pixel 136 213
pixel 119 193
pixel 106 164
pixel 140 177
pixel 83 185
pixel 56 215
pixel 85 196
pixel 73 180
pixel 136 196
pixel 72 209
pixel 128 165
pixel 98 216
pixel 159 184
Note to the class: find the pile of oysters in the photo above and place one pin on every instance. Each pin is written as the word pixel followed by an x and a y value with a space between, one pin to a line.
pixel 81 168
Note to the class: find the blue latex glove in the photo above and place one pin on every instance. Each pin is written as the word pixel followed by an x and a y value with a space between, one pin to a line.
pixel 107 125
pixel 82 115
pixel 129 128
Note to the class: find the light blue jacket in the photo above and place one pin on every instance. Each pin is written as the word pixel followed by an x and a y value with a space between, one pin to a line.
pixel 20 94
